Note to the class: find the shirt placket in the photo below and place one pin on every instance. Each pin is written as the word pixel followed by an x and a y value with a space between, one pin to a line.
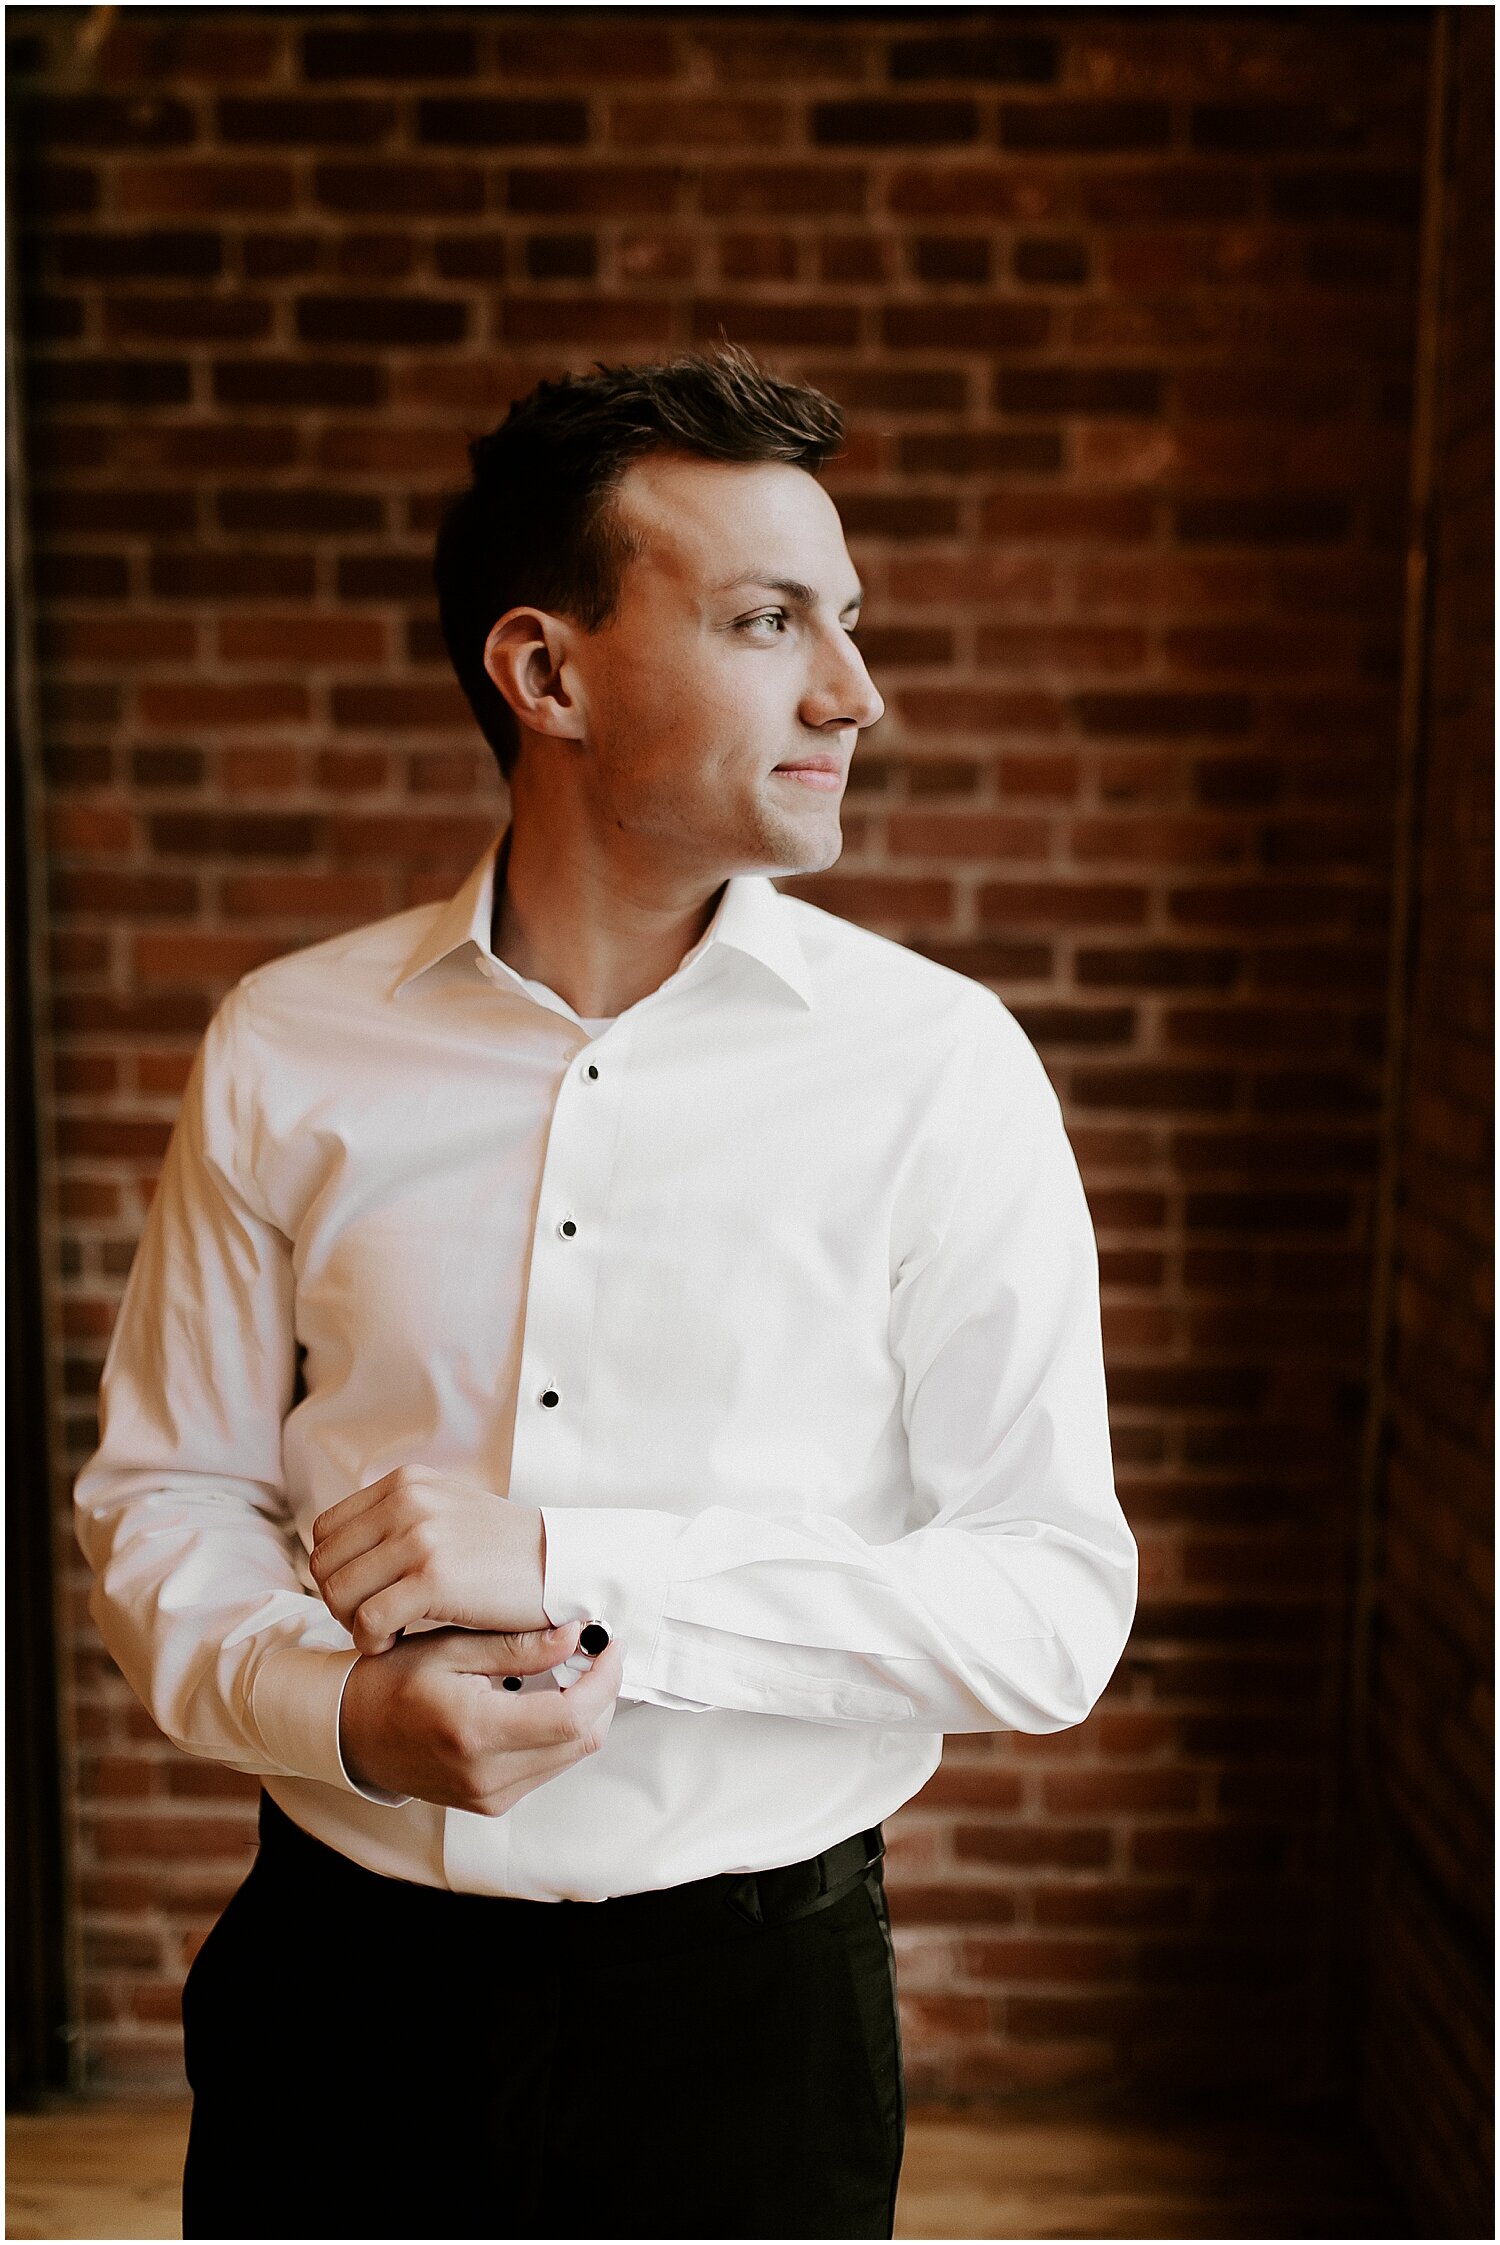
pixel 562 1284
pixel 568 1244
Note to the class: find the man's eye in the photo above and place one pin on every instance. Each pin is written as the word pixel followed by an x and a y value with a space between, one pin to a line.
pixel 775 616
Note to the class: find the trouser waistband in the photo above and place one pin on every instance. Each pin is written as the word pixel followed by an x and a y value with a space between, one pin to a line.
pixel 770 1897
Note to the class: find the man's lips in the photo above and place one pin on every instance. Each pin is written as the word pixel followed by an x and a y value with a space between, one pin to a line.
pixel 818 772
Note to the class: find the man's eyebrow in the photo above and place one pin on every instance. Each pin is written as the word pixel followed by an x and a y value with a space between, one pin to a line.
pixel 802 596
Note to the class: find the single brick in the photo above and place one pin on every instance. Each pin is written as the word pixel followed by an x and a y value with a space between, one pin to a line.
pixel 1061 904
pixel 948 257
pixel 167 767
pixel 603 190
pixel 974 191
pixel 80 576
pixel 44 190
pixel 753 320
pixel 171 190
pixel 154 253
pixel 384 577
pixel 50 383
pixel 896 389
pixel 885 900
pixel 876 514
pixel 1176 192
pixel 375 256
pixel 399 55
pixel 235 834
pixel 399 320
pixel 1046 777
pixel 758 257
pixel 893 124
pixel 1155 1089
pixel 116 640
pixel 317 512
pixel 298 382
pixel 629 51
pixel 414 190
pixel 186 319
pixel 49 319
pixel 992 961
pixel 984 325
pixel 303 897
pixel 853 257
pixel 470 257
pixel 69 767
pixel 696 121
pixel 584 319
pixel 1067 648
pixel 1055 262
pixel 502 124
pixel 967 833
pixel 358 641
pixel 1267 1211
pixel 983 453
pixel 1293 518
pixel 783 191
pixel 1156 712
pixel 1078 389
pixel 302 122
pixel 135 513
pixel 1066 515
pixel 1159 966
pixel 192 705
pixel 392 708
pixel 205 575
pixel 1086 128
pixel 104 121
pixel 1381 198
pixel 572 257
pixel 985 58
pixel 1265 128
pixel 276 256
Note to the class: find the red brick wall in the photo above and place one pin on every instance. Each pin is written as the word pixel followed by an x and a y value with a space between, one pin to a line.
pixel 1429 2080
pixel 1120 304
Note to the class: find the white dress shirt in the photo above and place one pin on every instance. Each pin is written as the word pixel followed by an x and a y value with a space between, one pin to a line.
pixel 797 1245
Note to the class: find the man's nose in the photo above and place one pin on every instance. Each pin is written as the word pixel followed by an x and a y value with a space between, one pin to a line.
pixel 848 694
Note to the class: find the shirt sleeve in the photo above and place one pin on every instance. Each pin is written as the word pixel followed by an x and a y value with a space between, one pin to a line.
pixel 181 1512
pixel 1007 1604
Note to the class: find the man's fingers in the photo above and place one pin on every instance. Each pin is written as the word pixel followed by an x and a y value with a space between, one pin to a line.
pixel 338 1516
pixel 518 1652
pixel 347 1540
pixel 556 1719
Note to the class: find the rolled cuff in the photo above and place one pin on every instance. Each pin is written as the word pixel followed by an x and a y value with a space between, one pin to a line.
pixel 611 1565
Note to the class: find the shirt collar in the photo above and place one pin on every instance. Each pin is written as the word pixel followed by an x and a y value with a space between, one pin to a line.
pixel 751 917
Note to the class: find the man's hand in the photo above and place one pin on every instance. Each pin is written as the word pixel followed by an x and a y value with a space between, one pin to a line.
pixel 431 1718
pixel 420 1546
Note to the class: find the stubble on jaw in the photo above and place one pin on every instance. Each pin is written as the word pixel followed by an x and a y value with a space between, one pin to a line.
pixel 751 833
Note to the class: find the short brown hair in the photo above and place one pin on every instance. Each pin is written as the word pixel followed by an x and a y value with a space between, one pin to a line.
pixel 536 528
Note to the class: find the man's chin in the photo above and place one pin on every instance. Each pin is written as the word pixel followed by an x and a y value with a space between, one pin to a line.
pixel 805 845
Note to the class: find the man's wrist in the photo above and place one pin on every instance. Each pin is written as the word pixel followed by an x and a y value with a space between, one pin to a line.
pixel 348 1758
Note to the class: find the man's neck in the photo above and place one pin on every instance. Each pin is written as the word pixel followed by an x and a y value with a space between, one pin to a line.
pixel 599 944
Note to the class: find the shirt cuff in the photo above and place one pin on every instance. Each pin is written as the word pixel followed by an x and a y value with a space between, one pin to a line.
pixel 612 1565
pixel 294 1705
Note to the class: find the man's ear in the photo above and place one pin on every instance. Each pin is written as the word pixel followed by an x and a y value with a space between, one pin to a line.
pixel 528 654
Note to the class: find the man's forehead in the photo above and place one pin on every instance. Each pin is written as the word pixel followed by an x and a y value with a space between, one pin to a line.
pixel 723 522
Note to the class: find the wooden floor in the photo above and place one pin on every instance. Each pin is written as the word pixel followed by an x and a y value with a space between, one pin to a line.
pixel 107 2171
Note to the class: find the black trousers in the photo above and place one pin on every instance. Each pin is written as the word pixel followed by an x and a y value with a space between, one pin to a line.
pixel 371 2058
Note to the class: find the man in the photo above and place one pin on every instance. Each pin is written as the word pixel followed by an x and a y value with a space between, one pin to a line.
pixel 621 1242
